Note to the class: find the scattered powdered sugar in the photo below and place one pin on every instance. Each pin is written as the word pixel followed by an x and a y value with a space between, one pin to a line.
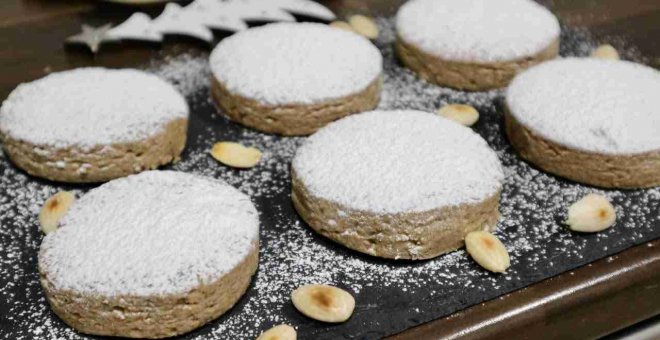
pixel 87 107
pixel 397 161
pixel 299 63
pixel 477 30
pixel 188 73
pixel 390 295
pixel 158 232
pixel 605 106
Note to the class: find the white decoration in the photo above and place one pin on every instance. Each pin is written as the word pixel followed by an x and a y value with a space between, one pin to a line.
pixel 304 7
pixel 257 10
pixel 138 26
pixel 199 17
pixel 213 14
pixel 176 20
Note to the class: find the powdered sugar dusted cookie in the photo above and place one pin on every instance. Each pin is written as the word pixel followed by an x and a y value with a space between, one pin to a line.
pixel 293 78
pixel 93 124
pixel 590 120
pixel 474 44
pixel 397 184
pixel 150 255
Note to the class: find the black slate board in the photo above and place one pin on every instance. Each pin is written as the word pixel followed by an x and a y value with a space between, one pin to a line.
pixel 391 295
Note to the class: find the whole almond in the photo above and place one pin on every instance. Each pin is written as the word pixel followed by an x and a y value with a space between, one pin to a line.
pixel 460 113
pixel 54 209
pixel 342 25
pixel 323 302
pixel 364 26
pixel 605 51
pixel 281 332
pixel 235 155
pixel 488 251
pixel 592 213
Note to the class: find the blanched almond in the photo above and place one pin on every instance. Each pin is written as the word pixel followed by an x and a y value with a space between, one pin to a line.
pixel 281 332
pixel 460 113
pixel 488 251
pixel 606 51
pixel 590 214
pixel 235 155
pixel 323 302
pixel 342 25
pixel 364 26
pixel 54 209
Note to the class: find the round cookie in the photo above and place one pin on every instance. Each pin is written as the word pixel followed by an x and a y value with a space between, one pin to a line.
pixel 293 78
pixel 151 255
pixel 397 184
pixel 474 45
pixel 93 124
pixel 590 120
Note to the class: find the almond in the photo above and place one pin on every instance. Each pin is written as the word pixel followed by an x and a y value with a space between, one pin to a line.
pixel 606 51
pixel 364 26
pixel 590 214
pixel 281 332
pixel 460 113
pixel 342 25
pixel 323 302
pixel 235 155
pixel 54 209
pixel 488 251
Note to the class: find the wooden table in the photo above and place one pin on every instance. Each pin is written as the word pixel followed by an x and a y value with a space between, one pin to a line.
pixel 589 302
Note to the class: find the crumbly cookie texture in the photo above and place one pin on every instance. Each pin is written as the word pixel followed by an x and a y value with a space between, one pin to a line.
pixel 399 193
pixel 632 171
pixel 100 163
pixel 468 76
pixel 600 127
pixel 93 124
pixel 294 119
pixel 175 247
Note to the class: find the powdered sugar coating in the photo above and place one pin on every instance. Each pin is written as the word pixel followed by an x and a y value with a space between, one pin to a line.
pixel 369 162
pixel 159 232
pixel 477 30
pixel 87 107
pixel 295 63
pixel 594 105
pixel 533 205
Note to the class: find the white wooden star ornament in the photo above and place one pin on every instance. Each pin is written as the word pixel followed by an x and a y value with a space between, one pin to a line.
pixel 92 37
pixel 197 19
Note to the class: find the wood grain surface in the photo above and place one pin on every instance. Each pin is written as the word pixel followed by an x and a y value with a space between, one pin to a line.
pixel 595 300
